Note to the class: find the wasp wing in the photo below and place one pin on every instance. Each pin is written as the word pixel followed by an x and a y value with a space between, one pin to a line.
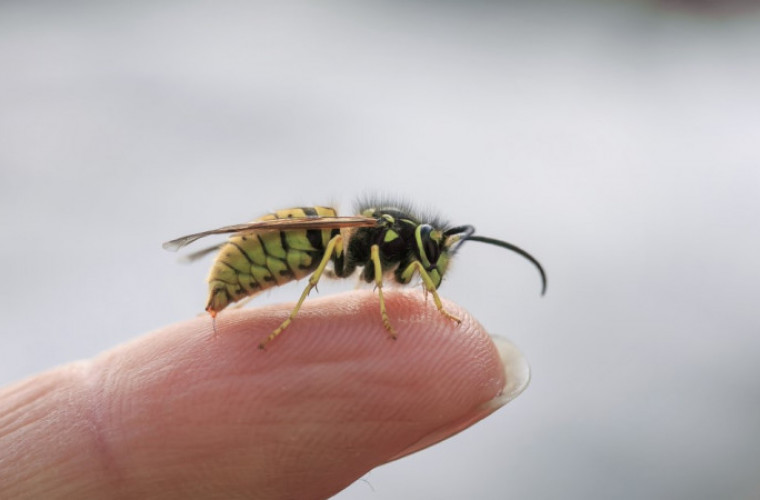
pixel 198 254
pixel 274 224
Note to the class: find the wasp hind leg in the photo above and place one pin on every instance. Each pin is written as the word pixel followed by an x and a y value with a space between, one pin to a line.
pixel 429 287
pixel 313 280
pixel 375 257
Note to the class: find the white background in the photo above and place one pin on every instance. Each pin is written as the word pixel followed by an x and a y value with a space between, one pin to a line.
pixel 619 142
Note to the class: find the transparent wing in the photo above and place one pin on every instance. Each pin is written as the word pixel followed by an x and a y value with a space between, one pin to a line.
pixel 274 224
pixel 198 254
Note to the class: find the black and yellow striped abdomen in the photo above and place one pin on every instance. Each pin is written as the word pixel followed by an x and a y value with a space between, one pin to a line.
pixel 255 261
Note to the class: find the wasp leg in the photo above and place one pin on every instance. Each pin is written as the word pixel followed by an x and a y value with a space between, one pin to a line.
pixel 375 257
pixel 429 287
pixel 313 280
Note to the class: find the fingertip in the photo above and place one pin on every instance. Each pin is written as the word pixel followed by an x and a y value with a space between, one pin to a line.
pixel 334 381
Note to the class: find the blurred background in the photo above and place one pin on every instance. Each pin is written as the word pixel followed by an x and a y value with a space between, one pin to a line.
pixel 618 142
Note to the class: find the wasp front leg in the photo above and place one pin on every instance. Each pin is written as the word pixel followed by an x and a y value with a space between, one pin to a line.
pixel 375 258
pixel 406 277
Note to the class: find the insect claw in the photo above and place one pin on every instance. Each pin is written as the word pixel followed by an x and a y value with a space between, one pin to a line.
pixel 387 324
pixel 451 316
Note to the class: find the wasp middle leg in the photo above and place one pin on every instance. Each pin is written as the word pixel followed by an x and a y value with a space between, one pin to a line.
pixel 375 258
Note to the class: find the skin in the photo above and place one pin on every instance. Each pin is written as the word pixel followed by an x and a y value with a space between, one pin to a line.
pixel 184 413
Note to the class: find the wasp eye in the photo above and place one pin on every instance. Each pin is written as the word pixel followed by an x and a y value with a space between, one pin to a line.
pixel 429 245
pixel 432 251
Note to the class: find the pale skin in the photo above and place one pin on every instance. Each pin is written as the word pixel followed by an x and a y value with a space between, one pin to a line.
pixel 182 413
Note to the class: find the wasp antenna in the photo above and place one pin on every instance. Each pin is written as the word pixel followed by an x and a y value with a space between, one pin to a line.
pixel 509 246
pixel 461 234
pixel 464 231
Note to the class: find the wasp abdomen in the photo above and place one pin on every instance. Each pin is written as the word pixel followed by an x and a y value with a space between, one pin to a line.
pixel 252 262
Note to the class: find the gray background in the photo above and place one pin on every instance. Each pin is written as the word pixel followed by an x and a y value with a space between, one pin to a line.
pixel 617 141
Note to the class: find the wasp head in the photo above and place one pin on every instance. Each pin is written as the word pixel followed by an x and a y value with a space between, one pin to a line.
pixel 434 248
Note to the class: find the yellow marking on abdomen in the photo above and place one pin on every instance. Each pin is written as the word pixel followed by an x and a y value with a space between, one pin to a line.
pixel 252 262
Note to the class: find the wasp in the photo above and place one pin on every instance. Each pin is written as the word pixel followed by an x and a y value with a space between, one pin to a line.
pixel 291 244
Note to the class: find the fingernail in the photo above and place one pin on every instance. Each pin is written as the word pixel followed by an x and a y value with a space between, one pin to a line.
pixel 516 373
pixel 517 376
